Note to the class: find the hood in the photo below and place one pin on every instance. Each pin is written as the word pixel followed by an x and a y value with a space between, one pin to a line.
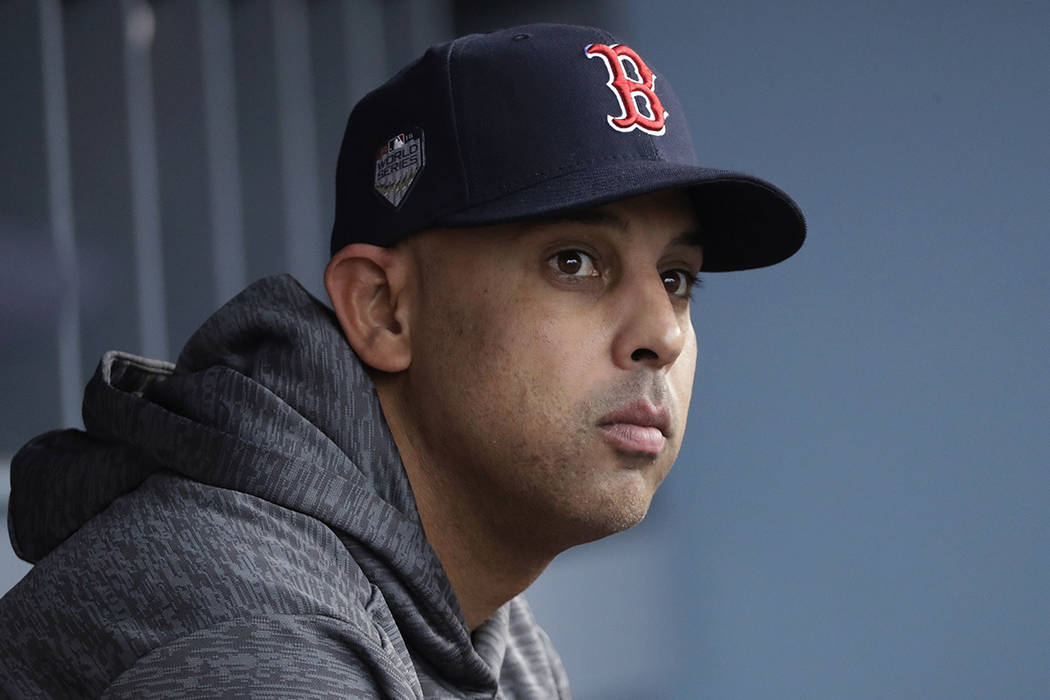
pixel 266 398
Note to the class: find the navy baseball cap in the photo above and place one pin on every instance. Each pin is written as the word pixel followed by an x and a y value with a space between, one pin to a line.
pixel 531 121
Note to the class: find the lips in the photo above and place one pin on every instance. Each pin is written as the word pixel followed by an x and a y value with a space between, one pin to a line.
pixel 639 427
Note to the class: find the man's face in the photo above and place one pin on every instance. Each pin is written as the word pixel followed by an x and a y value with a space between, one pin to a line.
pixel 552 364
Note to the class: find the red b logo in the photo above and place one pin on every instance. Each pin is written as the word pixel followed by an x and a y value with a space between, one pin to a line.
pixel 627 89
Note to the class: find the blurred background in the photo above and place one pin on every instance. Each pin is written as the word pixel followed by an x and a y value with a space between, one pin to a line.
pixel 862 505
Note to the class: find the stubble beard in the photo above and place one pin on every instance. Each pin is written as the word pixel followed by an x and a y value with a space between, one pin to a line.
pixel 554 487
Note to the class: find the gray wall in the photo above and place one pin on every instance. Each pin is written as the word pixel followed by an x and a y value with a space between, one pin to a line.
pixel 158 156
pixel 862 505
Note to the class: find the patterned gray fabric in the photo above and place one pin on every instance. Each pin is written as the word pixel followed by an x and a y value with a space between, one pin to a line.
pixel 239 524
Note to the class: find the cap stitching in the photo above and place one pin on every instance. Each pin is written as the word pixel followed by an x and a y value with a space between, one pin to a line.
pixel 455 120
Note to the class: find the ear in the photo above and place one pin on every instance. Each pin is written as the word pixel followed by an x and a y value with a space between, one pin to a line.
pixel 367 286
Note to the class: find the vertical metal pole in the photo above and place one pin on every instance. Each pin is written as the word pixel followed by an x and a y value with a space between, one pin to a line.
pixel 220 134
pixel 298 142
pixel 430 23
pixel 366 60
pixel 145 196
pixel 60 204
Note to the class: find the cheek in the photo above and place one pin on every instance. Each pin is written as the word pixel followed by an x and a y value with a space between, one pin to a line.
pixel 507 356
pixel 529 366
pixel 470 354
pixel 560 355
pixel 682 374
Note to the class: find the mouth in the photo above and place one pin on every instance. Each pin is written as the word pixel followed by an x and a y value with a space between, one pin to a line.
pixel 639 428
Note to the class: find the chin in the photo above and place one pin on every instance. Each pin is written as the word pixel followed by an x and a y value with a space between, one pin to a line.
pixel 612 510
pixel 608 524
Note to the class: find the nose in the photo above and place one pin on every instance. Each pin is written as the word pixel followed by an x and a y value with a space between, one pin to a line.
pixel 652 331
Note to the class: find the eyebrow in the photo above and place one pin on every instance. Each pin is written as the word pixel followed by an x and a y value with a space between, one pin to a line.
pixel 594 216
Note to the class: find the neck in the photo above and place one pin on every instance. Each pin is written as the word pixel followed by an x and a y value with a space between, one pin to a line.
pixel 487 560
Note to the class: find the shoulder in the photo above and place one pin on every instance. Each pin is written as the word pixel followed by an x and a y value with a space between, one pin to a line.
pixel 531 666
pixel 301 656
pixel 174 559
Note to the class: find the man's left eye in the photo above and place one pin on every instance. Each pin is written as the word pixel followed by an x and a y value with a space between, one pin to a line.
pixel 678 282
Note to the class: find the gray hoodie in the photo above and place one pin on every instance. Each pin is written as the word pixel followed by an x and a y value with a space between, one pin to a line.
pixel 239 524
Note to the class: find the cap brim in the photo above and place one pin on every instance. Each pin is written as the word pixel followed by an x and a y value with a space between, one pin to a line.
pixel 745 222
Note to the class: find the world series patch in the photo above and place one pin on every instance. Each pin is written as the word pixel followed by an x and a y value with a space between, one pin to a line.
pixel 398 164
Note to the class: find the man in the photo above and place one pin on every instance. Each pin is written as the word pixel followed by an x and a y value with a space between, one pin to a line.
pixel 317 504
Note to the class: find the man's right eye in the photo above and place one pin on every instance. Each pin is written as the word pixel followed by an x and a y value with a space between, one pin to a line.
pixel 573 263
